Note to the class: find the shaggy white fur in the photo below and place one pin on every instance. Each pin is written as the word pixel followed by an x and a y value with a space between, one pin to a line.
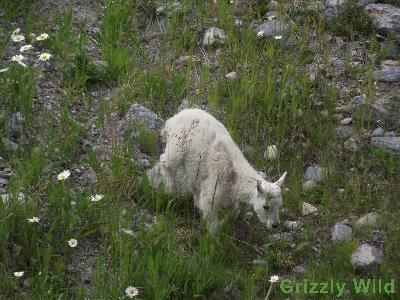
pixel 213 169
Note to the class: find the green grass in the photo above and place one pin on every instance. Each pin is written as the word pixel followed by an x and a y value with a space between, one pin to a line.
pixel 170 255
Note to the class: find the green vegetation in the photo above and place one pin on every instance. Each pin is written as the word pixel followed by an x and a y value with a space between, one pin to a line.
pixel 143 237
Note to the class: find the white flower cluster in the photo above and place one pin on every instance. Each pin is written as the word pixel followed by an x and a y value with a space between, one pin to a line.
pixel 17 37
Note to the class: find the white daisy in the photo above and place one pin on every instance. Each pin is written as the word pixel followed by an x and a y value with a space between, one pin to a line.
pixel 18 38
pixel 260 33
pixel 278 37
pixel 72 243
pixel 73 203
pixel 32 35
pixel 274 278
pixel 96 198
pixel 64 175
pixel 19 59
pixel 131 291
pixel 42 37
pixel 16 31
pixel 25 48
pixel 34 220
pixel 44 56
pixel 19 274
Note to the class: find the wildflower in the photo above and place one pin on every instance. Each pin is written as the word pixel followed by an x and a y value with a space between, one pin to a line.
pixel 19 58
pixel 19 274
pixel 72 243
pixel 274 278
pixel 44 56
pixel 271 152
pixel 278 37
pixel 32 35
pixel 73 203
pixel 4 70
pixel 260 33
pixel 96 198
pixel 34 220
pixel 64 175
pixel 24 48
pixel 131 291
pixel 16 31
pixel 18 38
pixel 42 37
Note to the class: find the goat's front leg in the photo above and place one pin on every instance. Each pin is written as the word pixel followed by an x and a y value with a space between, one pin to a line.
pixel 208 205
pixel 167 175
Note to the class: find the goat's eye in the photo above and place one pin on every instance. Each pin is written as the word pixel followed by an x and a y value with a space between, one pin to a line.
pixel 266 207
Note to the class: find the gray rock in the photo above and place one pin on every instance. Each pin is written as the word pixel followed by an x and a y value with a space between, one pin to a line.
pixel 378 132
pixel 387 74
pixel 272 28
pixel 15 124
pixel 385 17
pixel 366 257
pixel 231 75
pixel 213 36
pixel 292 225
pixel 387 143
pixel 378 236
pixel 390 133
pixel 137 117
pixel 341 232
pixel 331 12
pixel 363 3
pixel 366 110
pixel 314 173
pixel 368 219
pixel 307 209
pixel 299 270
pixel 285 236
pixel 344 132
pixel 346 121
pixel 351 145
pixel 169 8
pixel 335 3
pixel 390 63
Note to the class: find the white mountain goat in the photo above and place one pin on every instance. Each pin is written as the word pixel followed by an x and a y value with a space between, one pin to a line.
pixel 213 169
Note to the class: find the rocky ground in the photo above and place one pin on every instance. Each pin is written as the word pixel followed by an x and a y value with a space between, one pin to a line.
pixel 336 60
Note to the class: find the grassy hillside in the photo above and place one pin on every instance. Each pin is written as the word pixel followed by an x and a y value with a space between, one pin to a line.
pixel 75 110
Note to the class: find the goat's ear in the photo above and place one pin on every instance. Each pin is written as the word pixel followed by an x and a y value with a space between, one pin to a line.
pixel 262 175
pixel 281 180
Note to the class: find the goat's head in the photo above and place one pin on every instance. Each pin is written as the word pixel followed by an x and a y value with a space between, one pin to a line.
pixel 269 200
